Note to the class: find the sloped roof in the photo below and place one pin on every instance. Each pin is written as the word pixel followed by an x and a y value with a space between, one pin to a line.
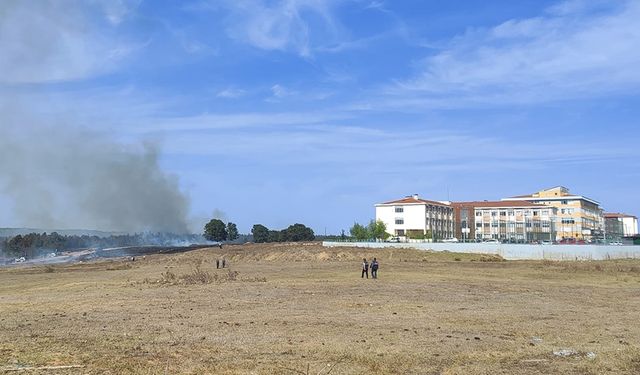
pixel 412 200
pixel 505 204
pixel 617 215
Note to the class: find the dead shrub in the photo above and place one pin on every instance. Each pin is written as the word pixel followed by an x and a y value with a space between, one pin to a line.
pixel 491 258
pixel 200 276
pixel 232 275
pixel 197 276
pixel 254 279
pixel 168 277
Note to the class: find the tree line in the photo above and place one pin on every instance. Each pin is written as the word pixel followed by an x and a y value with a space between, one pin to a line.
pixel 376 230
pixel 35 244
pixel 294 233
pixel 217 230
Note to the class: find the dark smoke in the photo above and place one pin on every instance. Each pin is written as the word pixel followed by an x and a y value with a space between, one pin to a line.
pixel 62 176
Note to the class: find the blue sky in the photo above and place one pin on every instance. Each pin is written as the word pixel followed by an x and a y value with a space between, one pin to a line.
pixel 312 111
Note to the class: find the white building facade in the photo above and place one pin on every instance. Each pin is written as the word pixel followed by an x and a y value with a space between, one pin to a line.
pixel 414 217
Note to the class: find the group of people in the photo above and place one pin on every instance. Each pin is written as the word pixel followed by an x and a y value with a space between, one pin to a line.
pixel 219 263
pixel 374 268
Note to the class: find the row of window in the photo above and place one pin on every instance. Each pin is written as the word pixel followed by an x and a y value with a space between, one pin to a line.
pixel 528 224
pixel 514 213
pixel 400 209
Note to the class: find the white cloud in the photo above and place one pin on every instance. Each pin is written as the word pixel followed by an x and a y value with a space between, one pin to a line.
pixel 325 144
pixel 280 91
pixel 571 52
pixel 117 10
pixel 230 93
pixel 49 40
pixel 281 26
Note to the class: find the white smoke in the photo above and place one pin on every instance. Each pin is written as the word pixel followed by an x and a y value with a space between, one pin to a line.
pixel 65 176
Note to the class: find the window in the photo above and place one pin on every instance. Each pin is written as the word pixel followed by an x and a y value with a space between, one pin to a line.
pixel 399 221
pixel 478 225
pixel 399 209
pixel 503 213
pixel 511 213
pixel 568 221
pixel 564 202
pixel 535 213
pixel 494 213
pixel 478 213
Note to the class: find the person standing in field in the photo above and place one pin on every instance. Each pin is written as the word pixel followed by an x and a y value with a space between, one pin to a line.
pixel 365 268
pixel 374 268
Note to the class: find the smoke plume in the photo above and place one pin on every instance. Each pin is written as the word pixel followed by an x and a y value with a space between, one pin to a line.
pixel 61 176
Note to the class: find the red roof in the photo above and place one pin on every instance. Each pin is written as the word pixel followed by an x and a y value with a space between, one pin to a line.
pixel 496 204
pixel 412 200
pixel 616 215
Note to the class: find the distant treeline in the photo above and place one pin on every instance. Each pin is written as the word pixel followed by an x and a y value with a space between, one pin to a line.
pixel 35 244
pixel 294 233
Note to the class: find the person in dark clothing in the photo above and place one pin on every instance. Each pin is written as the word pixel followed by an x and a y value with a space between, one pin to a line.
pixel 365 268
pixel 224 263
pixel 374 268
pixel 217 263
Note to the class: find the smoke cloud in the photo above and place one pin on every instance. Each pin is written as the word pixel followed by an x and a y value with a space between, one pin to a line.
pixel 54 173
pixel 62 176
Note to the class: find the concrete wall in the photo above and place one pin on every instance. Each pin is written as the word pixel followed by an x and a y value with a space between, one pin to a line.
pixel 513 251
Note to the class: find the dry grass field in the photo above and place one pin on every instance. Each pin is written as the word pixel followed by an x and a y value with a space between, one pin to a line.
pixel 303 309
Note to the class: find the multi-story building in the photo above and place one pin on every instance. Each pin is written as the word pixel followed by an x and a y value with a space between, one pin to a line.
pixel 414 217
pixel 517 221
pixel 577 216
pixel 620 225
pixel 613 227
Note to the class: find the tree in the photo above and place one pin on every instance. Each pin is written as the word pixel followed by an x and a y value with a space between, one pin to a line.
pixel 276 236
pixel 359 232
pixel 232 231
pixel 298 232
pixel 260 233
pixel 377 229
pixel 215 230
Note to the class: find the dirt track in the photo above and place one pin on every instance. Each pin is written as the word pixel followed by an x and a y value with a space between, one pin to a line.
pixel 295 307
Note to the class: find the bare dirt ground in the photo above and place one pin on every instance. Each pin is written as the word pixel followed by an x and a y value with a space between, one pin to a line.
pixel 303 309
